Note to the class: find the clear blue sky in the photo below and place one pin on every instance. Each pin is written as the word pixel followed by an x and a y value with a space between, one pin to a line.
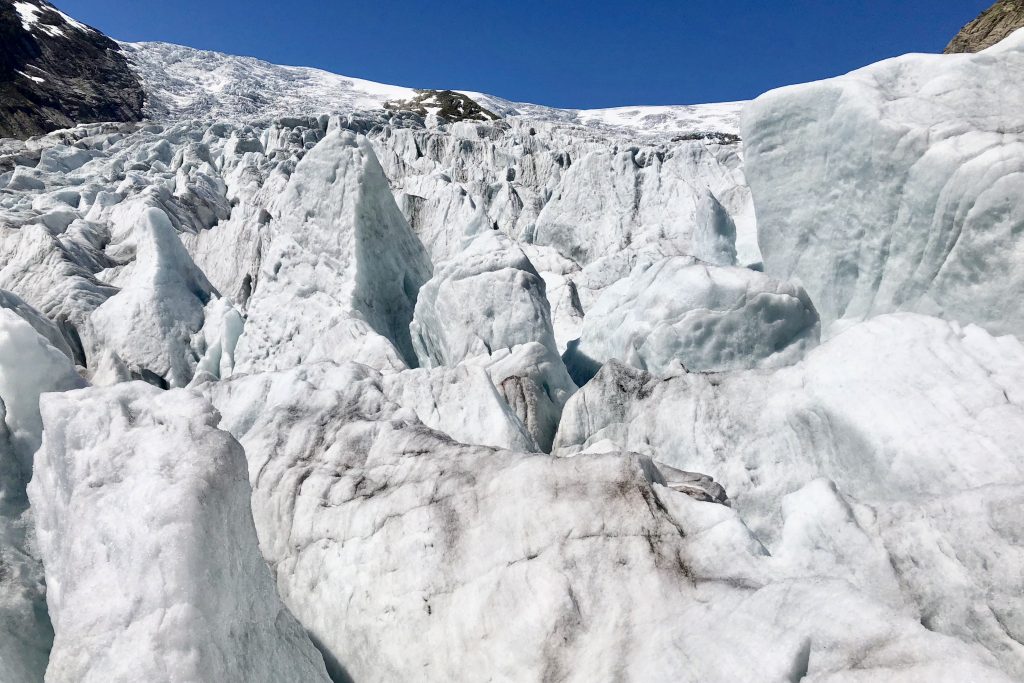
pixel 567 53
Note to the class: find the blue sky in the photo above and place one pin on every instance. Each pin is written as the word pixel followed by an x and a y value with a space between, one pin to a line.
pixel 559 52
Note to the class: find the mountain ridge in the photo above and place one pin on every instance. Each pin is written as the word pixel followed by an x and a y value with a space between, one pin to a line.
pixel 989 27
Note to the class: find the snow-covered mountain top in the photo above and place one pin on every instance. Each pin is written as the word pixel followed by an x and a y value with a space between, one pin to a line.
pixel 33 19
pixel 183 82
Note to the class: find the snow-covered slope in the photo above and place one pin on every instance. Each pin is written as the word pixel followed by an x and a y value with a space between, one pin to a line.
pixel 183 82
pixel 332 429
pixel 723 117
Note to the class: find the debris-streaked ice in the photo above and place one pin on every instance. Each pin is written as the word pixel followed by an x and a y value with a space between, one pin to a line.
pixel 516 399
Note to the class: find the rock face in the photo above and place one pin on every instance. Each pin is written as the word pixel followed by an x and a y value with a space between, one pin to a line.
pixel 56 72
pixel 990 27
pixel 447 104
pixel 894 188
pixel 142 511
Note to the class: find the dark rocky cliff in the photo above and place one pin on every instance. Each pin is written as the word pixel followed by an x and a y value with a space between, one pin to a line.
pixel 56 72
pixel 991 26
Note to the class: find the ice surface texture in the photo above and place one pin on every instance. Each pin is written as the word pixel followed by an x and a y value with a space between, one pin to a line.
pixel 342 263
pixel 29 367
pixel 403 552
pixel 916 421
pixel 896 187
pixel 153 572
pixel 678 316
pixel 357 451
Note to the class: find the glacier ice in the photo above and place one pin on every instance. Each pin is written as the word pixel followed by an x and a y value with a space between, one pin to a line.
pixel 512 398
pixel 894 188
pixel 609 200
pixel 40 323
pixel 150 323
pixel 487 298
pixel 222 327
pixel 29 367
pixel 464 403
pixel 377 302
pixel 403 552
pixel 152 565
pixel 342 270
pixel 677 315
pixel 536 385
pixel 914 420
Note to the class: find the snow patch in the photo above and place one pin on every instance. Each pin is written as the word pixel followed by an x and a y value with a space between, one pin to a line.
pixel 30 20
pixel 37 79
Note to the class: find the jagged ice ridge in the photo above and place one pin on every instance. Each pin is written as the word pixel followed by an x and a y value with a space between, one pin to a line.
pixel 296 386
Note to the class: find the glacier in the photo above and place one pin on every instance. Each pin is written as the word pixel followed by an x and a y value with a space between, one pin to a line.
pixel 684 315
pixel 30 366
pixel 894 188
pixel 152 568
pixel 407 554
pixel 307 378
pixel 880 424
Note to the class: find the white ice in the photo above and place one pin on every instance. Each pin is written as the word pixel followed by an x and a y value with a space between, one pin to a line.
pixel 404 552
pixel 749 507
pixel 916 421
pixel 895 187
pixel 676 315
pixel 152 568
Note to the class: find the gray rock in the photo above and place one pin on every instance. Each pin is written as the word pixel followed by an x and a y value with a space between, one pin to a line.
pixel 694 484
pixel 991 26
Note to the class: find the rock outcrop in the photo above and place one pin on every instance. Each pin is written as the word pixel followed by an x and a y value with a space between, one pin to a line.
pixel 56 72
pixel 447 104
pixel 990 27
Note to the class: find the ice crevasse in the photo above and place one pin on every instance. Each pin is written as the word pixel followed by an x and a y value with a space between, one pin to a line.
pixel 373 396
